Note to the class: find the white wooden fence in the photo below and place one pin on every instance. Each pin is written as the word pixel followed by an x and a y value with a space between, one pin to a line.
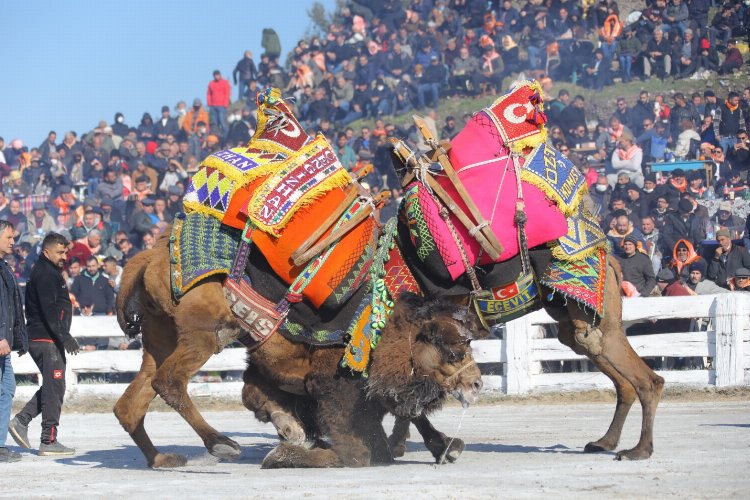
pixel 518 355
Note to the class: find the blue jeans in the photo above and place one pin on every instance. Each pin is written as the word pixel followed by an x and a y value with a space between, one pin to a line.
pixel 217 115
pixel 242 88
pixel 626 63
pixel 536 56
pixel 432 88
pixel 7 391
pixel 727 142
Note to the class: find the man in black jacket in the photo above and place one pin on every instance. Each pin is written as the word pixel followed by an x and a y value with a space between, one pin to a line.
pixel 246 71
pixel 12 336
pixel 636 267
pixel 682 225
pixel 48 314
pixel 728 258
pixel 92 291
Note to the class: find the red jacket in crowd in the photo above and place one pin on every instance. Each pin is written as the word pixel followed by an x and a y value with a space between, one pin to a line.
pixel 218 93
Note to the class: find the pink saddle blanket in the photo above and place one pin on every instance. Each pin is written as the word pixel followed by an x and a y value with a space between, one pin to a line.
pixel 485 168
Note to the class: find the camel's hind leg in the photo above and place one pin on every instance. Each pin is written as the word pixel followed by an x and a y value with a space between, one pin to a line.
pixel 607 345
pixel 625 392
pixel 197 319
pixel 131 410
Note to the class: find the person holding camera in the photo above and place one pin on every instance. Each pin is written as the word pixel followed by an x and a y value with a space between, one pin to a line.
pixel 48 316
pixel 739 154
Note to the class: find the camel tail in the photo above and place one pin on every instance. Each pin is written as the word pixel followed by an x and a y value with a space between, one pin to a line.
pixel 130 297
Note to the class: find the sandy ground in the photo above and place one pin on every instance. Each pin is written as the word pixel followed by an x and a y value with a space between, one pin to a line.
pixel 513 450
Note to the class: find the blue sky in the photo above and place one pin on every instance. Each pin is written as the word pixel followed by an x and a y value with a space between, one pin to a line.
pixel 69 63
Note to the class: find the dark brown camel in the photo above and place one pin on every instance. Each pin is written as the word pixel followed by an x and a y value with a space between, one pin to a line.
pixel 178 338
pixel 604 344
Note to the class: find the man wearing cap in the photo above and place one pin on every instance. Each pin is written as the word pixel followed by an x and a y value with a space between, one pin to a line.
pixel 675 185
pixel 649 192
pixel 741 280
pixel 433 78
pixel 724 218
pixel 726 260
pixel 38 223
pixel 698 283
pixel 682 225
pixel 174 200
pixel 142 220
pixel 670 286
pixel 636 267
pixel 195 115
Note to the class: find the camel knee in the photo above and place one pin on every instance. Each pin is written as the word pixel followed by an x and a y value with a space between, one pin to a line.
pixel 124 413
pixel 171 391
pixel 588 338
pixel 255 400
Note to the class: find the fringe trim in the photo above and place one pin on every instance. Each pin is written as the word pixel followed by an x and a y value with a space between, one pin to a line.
pixel 338 179
pixel 567 210
pixel 559 253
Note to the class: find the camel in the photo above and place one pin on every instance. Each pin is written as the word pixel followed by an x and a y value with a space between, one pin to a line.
pixel 423 357
pixel 604 344
pixel 179 337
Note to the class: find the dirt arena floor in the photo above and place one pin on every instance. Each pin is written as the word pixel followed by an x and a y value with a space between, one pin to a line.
pixel 515 450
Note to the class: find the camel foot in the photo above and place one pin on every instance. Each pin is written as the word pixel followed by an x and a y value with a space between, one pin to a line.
pixel 398 450
pixel 598 447
pixel 224 448
pixel 634 454
pixel 286 456
pixel 288 428
pixel 454 451
pixel 168 461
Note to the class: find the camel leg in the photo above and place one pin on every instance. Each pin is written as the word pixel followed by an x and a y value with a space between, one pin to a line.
pixel 197 321
pixel 270 404
pixel 398 437
pixel 443 448
pixel 132 406
pixel 625 392
pixel 131 410
pixel 347 419
pixel 171 380
pixel 608 342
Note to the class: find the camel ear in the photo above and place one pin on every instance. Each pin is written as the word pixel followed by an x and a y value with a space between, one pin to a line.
pixel 430 333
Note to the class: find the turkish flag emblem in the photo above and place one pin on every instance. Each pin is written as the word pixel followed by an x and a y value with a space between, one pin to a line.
pixel 57 374
pixel 505 292
pixel 516 113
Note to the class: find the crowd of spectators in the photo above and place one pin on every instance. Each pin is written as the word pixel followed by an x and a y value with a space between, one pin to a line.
pixel 114 189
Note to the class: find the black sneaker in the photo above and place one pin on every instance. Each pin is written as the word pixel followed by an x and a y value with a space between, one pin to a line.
pixel 8 456
pixel 20 433
pixel 54 449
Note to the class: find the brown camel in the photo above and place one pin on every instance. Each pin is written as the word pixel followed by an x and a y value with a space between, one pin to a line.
pixel 604 344
pixel 178 338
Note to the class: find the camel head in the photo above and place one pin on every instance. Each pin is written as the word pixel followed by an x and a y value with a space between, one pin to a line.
pixel 424 356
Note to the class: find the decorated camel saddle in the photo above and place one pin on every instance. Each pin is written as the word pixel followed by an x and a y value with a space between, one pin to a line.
pixel 295 238
pixel 287 197
pixel 495 191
